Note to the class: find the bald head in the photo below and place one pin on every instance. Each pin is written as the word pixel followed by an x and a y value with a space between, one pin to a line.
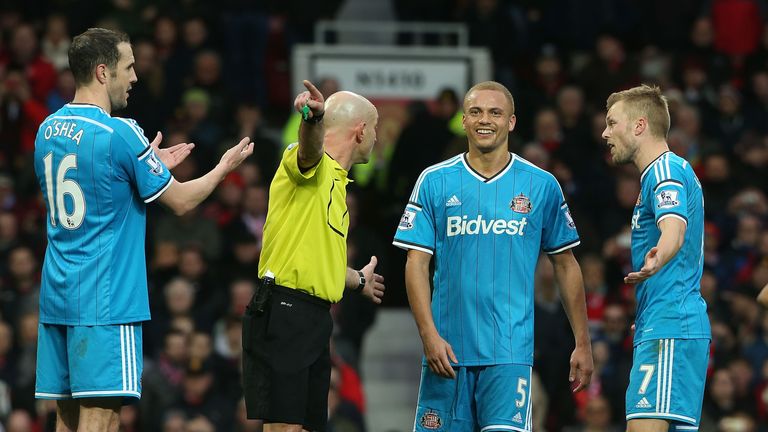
pixel 347 109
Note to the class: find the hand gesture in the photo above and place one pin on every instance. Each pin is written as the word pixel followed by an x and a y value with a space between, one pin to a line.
pixel 310 103
pixel 236 155
pixel 582 366
pixel 171 156
pixel 374 283
pixel 439 355
pixel 651 266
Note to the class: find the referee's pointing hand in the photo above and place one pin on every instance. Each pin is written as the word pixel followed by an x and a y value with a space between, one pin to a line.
pixel 311 98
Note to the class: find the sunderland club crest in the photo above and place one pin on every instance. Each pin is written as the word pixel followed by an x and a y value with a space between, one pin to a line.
pixel 521 204
pixel 430 420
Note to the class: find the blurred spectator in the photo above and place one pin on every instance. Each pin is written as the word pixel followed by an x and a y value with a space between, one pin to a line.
pixel 717 184
pixel 226 206
pixel 354 314
pixel 728 123
pixel 21 286
pixel 597 417
pixel 190 230
pixel 20 115
pixel 552 344
pixel 149 106
pixel 64 91
pixel 343 415
pixel 198 398
pixel 25 56
pixel 422 142
pixel 199 424
pixel 719 400
pixel 7 354
pixel 250 122
pixel 56 41
pixel 610 69
pixel 756 107
pixel 174 421
pixel 736 25
pixel 19 421
pixel 161 381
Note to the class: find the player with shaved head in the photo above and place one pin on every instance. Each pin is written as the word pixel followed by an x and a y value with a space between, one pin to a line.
pixel 302 269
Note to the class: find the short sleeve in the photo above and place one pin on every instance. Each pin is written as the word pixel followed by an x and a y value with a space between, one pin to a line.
pixel 558 228
pixel 416 229
pixel 290 162
pixel 669 193
pixel 137 161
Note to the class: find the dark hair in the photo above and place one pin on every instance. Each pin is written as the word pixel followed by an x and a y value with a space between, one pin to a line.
pixel 94 47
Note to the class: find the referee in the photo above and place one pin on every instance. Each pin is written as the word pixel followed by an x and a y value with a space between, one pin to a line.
pixel 302 269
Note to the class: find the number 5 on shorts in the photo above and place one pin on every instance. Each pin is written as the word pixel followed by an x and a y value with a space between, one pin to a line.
pixel 521 390
pixel 648 369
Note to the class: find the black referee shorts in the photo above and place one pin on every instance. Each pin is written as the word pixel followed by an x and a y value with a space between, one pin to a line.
pixel 286 359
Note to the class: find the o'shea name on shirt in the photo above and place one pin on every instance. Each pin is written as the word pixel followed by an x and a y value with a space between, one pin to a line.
pixel 63 129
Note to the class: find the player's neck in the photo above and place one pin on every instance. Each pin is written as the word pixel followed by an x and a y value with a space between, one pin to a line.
pixel 87 95
pixel 649 152
pixel 488 164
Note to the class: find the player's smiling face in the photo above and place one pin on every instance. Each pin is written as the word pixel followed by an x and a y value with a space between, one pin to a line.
pixel 618 134
pixel 487 120
pixel 121 78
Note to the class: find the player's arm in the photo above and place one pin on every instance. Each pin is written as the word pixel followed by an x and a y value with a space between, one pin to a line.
pixel 183 197
pixel 374 282
pixel 762 298
pixel 671 240
pixel 311 132
pixel 437 351
pixel 571 286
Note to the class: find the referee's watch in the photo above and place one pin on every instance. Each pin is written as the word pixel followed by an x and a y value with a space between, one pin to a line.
pixel 361 284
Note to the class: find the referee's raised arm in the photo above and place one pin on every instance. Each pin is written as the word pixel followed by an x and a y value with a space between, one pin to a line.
pixel 311 105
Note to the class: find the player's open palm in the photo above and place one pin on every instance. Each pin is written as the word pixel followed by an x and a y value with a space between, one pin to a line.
pixel 651 265
pixel 171 156
pixel 439 355
pixel 237 154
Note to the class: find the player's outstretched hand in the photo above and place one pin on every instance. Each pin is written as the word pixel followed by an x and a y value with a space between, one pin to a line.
pixel 171 156
pixel 439 355
pixel 236 155
pixel 374 282
pixel 650 267
pixel 581 368
pixel 312 99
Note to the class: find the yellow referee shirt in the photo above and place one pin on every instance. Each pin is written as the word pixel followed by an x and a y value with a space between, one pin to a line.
pixel 305 235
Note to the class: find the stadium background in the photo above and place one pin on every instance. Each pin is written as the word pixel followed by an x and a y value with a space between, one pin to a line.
pixel 213 71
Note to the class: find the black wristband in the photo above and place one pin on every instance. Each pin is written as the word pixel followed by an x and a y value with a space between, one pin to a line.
pixel 360 284
pixel 315 119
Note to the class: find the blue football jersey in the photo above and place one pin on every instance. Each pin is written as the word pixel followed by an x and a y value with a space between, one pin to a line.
pixel 669 303
pixel 485 235
pixel 96 173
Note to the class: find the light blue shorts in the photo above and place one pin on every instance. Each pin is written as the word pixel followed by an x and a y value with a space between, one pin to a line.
pixel 667 381
pixel 89 361
pixel 480 398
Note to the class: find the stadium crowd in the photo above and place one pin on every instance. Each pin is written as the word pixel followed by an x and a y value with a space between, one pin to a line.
pixel 212 71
